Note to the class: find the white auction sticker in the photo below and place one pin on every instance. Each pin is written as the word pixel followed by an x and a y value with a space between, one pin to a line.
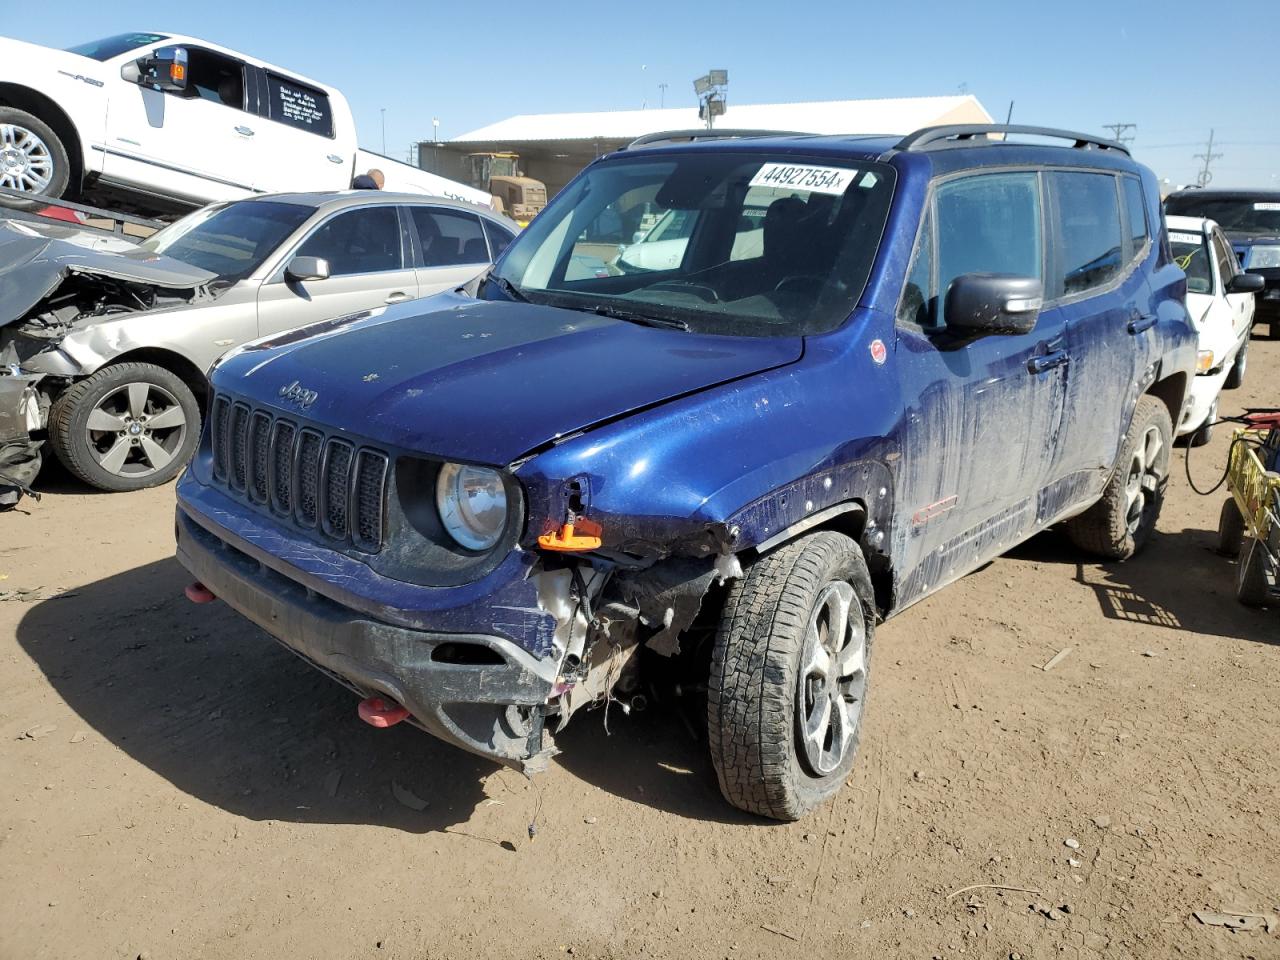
pixel 1185 237
pixel 1261 205
pixel 832 180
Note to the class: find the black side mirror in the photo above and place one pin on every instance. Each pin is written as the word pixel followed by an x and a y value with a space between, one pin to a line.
pixel 994 303
pixel 1246 283
pixel 165 69
pixel 307 268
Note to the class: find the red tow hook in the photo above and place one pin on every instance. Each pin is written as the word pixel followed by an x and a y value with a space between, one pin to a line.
pixel 380 713
pixel 197 592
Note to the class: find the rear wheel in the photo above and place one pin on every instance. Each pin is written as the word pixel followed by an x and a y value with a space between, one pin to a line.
pixel 1230 529
pixel 32 158
pixel 1120 524
pixel 1251 576
pixel 129 426
pixel 789 676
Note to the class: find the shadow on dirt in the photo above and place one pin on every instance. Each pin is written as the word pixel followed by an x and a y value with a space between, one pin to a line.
pixel 213 705
pixel 1178 582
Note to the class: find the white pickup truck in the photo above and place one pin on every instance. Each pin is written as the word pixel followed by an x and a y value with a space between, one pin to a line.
pixel 181 122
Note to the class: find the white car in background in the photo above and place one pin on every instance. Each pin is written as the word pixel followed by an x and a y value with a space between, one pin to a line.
pixel 1220 300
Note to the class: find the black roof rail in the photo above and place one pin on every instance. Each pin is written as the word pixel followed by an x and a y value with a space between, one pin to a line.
pixel 957 134
pixel 690 136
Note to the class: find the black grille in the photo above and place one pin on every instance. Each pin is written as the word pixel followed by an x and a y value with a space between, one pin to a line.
pixel 316 481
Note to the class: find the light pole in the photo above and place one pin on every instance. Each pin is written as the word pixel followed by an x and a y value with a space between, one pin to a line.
pixel 662 95
pixel 435 129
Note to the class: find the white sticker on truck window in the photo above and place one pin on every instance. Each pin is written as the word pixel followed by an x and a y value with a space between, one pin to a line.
pixel 834 180
pixel 1261 205
pixel 1184 237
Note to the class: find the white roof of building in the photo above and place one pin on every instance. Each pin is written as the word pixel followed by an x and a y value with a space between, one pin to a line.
pixel 896 115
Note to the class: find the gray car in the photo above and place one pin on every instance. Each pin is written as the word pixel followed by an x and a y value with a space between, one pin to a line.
pixel 123 334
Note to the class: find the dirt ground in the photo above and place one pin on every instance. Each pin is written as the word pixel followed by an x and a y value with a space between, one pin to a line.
pixel 173 784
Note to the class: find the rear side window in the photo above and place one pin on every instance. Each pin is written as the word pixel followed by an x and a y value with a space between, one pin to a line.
pixel 358 241
pixel 299 106
pixel 447 238
pixel 988 224
pixel 1136 213
pixel 1088 212
pixel 499 239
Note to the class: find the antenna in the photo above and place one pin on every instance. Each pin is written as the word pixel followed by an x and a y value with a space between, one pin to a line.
pixel 1118 129
pixel 1204 177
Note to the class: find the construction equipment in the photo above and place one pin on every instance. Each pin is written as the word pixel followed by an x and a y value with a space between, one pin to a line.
pixel 519 197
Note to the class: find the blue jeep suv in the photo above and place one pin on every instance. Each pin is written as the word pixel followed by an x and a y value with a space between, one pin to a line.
pixel 859 368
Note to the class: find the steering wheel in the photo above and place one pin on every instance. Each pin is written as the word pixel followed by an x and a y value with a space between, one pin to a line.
pixel 800 283
pixel 700 290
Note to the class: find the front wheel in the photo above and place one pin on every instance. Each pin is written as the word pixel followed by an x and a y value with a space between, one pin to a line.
pixel 789 673
pixel 129 426
pixel 1235 378
pixel 1120 524
pixel 32 158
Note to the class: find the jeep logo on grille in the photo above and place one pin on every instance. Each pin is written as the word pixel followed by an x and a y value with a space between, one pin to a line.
pixel 297 393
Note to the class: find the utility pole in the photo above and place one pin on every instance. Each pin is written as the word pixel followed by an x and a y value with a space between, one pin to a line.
pixel 1204 176
pixel 1118 129
pixel 662 95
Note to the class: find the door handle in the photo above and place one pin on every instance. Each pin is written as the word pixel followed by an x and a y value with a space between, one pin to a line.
pixel 398 297
pixel 1048 361
pixel 1140 322
pixel 244 131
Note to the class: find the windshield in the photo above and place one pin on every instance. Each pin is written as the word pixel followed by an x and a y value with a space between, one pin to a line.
pixel 114 46
pixel 1239 215
pixel 1191 252
pixel 229 239
pixel 719 242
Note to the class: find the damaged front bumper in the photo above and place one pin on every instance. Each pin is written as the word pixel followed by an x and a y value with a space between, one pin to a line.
pixel 479 691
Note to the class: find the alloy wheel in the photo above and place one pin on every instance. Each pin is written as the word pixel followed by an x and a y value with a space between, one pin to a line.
pixel 26 163
pixel 1142 483
pixel 832 679
pixel 136 429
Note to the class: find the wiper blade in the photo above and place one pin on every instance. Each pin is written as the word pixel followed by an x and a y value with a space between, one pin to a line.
pixel 645 319
pixel 507 287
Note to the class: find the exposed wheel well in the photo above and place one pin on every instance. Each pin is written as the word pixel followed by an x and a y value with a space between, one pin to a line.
pixel 38 105
pixel 1171 391
pixel 177 364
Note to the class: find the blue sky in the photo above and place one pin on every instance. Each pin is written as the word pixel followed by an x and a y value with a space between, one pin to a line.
pixel 1176 68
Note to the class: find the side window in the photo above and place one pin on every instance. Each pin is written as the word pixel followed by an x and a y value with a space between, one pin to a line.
pixel 446 237
pixel 988 224
pixel 366 240
pixel 499 239
pixel 1226 258
pixel 1136 212
pixel 299 106
pixel 1089 218
pixel 916 305
pixel 211 76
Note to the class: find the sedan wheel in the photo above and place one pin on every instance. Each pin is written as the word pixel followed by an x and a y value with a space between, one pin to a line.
pixel 136 430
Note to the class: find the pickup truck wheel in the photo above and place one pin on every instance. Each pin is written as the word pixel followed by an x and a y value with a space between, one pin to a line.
pixel 1230 529
pixel 789 676
pixel 1251 577
pixel 1120 524
pixel 1235 378
pixel 32 158
pixel 129 426
pixel 1204 433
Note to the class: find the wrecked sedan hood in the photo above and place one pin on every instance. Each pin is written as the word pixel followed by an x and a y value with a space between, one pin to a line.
pixel 35 259
pixel 485 381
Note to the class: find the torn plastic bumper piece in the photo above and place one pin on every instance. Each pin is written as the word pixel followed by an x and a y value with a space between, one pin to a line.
pixel 377 712
pixel 197 592
pixel 480 692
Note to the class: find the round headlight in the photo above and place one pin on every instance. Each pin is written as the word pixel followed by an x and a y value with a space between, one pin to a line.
pixel 473 505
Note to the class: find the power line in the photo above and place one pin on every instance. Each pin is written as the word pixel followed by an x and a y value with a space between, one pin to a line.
pixel 1119 130
pixel 1204 177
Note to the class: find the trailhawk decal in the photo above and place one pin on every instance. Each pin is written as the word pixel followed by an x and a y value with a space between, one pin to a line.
pixel 833 180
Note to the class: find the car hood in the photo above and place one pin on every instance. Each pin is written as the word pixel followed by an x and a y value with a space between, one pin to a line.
pixel 484 381
pixel 20 59
pixel 36 258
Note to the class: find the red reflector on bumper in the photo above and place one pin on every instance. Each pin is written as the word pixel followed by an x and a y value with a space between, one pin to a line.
pixel 198 593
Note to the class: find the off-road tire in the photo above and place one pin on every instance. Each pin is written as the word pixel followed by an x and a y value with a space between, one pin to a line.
pixel 1235 377
pixel 61 178
pixel 754 679
pixel 1251 577
pixel 69 433
pixel 1103 529
pixel 1230 529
